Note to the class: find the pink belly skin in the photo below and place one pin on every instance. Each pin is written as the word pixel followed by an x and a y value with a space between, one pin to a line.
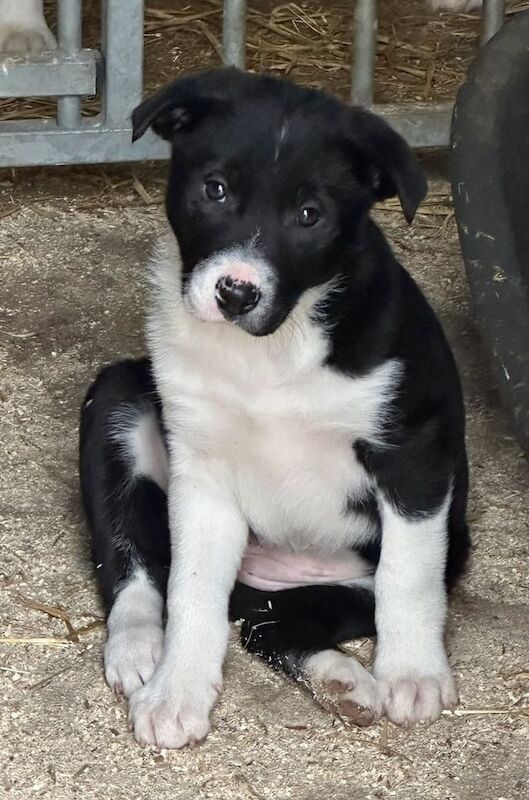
pixel 271 569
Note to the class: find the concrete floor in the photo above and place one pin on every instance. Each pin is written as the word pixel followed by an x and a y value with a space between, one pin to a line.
pixel 72 278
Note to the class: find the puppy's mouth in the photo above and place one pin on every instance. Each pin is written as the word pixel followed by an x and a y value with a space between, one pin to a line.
pixel 235 286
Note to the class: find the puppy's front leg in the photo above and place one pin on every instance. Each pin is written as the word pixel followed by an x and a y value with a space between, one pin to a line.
pixel 208 536
pixel 414 681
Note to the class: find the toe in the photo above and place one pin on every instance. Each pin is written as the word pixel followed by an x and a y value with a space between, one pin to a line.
pixel 449 693
pixel 140 722
pixel 428 704
pixel 358 715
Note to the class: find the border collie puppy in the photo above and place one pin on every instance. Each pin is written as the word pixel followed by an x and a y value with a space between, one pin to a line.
pixel 292 454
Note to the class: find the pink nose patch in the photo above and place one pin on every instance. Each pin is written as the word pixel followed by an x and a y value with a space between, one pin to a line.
pixel 271 569
pixel 242 271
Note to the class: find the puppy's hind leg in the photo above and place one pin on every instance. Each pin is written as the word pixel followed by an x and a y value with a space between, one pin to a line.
pixel 123 466
pixel 135 634
pixel 298 630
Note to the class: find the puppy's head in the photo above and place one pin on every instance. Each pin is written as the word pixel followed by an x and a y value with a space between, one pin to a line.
pixel 269 187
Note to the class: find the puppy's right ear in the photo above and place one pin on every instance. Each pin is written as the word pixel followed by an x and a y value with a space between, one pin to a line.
pixel 181 105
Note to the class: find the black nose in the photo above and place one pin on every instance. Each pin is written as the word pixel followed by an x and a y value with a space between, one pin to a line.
pixel 235 298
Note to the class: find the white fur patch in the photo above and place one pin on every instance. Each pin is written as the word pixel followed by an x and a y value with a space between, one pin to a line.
pixel 138 435
pixel 241 264
pixel 414 681
pixel 278 425
pixel 135 635
pixel 281 139
pixel 23 28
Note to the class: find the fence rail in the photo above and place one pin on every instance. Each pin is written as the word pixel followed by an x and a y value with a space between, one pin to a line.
pixel 116 74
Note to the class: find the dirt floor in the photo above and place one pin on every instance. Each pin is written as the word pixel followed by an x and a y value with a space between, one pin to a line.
pixel 73 248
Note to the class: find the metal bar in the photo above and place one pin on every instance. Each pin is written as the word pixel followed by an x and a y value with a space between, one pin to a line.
pixel 123 57
pixel 29 143
pixel 34 143
pixel 37 76
pixel 492 18
pixel 234 33
pixel 69 26
pixel 421 124
pixel 364 52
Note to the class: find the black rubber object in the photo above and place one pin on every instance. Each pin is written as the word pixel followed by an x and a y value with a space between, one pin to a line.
pixel 490 183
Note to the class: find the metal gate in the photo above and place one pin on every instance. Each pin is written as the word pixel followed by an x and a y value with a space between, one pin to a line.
pixel 116 74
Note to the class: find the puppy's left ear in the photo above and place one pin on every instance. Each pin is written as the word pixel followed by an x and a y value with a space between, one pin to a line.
pixel 393 169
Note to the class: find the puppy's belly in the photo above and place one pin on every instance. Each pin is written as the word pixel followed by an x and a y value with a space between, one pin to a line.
pixel 271 569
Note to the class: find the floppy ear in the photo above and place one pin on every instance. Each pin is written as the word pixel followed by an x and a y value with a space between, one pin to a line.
pixel 393 168
pixel 184 103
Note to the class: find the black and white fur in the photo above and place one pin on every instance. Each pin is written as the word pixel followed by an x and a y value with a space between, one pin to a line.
pixel 299 386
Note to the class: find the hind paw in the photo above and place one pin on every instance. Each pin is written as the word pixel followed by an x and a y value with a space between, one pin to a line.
pixel 343 686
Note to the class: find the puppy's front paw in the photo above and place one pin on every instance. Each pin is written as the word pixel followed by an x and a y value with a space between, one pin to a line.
pixel 406 699
pixel 172 714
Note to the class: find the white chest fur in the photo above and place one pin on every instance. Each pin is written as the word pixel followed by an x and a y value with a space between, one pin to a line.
pixel 276 424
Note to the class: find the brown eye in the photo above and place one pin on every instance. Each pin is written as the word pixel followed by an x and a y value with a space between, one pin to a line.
pixel 308 216
pixel 215 190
